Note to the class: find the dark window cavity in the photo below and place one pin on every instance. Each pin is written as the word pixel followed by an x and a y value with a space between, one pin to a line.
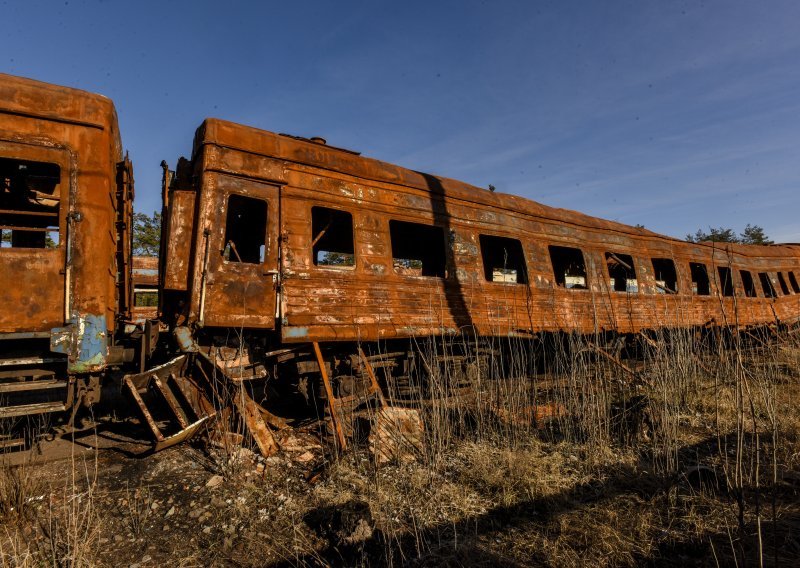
pixel 665 275
pixel 725 280
pixel 332 237
pixel 30 195
pixel 417 250
pixel 782 282
pixel 569 267
pixel 503 259
pixel 245 230
pixel 793 282
pixel 766 285
pixel 622 273
pixel 748 283
pixel 700 285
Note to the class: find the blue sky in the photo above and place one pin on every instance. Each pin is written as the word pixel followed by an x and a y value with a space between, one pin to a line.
pixel 676 115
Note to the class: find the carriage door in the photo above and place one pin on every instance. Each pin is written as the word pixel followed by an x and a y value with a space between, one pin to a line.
pixel 34 190
pixel 242 281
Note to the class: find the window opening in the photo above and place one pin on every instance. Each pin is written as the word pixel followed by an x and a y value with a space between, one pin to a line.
pixel 569 267
pixel 748 283
pixel 145 298
pixel 503 259
pixel 700 283
pixel 30 196
pixel 622 273
pixel 332 237
pixel 245 230
pixel 766 285
pixel 725 280
pixel 793 282
pixel 782 282
pixel 665 275
pixel 417 249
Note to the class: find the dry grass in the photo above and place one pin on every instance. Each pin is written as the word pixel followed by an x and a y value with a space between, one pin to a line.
pixel 50 522
pixel 706 471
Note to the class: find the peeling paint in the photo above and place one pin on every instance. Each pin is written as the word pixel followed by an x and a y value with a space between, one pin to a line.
pixel 84 341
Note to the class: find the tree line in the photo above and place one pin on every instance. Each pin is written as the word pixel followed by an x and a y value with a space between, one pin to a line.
pixel 752 235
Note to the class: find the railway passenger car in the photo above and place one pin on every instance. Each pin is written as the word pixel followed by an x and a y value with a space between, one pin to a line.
pixel 65 211
pixel 275 244
pixel 315 243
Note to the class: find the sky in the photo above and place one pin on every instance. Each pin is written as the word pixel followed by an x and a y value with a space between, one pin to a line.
pixel 674 115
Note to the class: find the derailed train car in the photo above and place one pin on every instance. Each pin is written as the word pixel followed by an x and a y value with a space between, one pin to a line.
pixel 284 256
pixel 65 216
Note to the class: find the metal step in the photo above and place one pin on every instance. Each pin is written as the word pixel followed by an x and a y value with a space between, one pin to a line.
pixel 26 386
pixel 167 400
pixel 19 374
pixel 11 443
pixel 18 361
pixel 28 409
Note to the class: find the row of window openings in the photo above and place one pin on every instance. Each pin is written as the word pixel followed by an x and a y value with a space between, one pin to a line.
pixel 418 250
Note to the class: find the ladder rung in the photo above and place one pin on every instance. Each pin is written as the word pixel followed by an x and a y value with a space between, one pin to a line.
pixel 24 386
pixel 32 373
pixel 9 443
pixel 30 361
pixel 26 409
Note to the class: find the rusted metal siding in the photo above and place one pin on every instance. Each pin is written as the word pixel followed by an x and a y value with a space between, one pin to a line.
pixel 77 130
pixel 74 292
pixel 33 292
pixel 144 275
pixel 178 245
pixel 236 293
pixel 145 271
pixel 371 300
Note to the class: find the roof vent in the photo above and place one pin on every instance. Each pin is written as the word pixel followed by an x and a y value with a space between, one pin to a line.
pixel 318 140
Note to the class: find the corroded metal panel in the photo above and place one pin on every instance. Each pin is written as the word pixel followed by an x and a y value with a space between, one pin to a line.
pixel 73 282
pixel 178 246
pixel 236 291
pixel 145 271
pixel 76 278
pixel 34 287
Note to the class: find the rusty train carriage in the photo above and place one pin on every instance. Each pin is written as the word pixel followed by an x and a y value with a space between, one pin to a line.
pixel 300 193
pixel 282 257
pixel 65 210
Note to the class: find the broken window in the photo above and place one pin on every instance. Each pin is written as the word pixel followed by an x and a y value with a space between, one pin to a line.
pixel 417 249
pixel 725 280
pixel 700 284
pixel 245 230
pixel 30 196
pixel 503 259
pixel 569 267
pixel 782 282
pixel 766 285
pixel 793 282
pixel 332 237
pixel 145 298
pixel 748 283
pixel 622 273
pixel 665 275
